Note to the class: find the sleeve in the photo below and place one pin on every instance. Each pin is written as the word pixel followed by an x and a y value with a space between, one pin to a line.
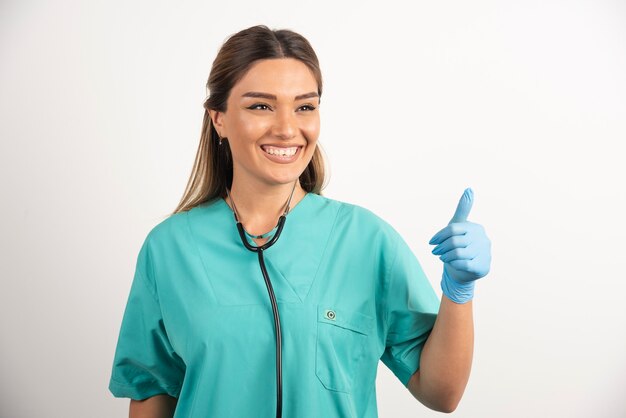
pixel 145 363
pixel 411 307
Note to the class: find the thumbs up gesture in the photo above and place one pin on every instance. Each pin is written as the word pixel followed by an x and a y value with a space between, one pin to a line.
pixel 465 251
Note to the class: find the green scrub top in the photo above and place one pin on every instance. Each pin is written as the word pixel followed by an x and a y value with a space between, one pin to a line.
pixel 198 323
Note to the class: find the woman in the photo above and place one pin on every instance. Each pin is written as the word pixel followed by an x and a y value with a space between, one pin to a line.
pixel 214 328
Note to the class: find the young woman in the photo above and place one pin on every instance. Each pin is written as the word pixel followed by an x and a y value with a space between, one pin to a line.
pixel 259 297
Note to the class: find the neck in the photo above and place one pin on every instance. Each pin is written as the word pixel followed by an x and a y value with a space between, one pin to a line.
pixel 259 206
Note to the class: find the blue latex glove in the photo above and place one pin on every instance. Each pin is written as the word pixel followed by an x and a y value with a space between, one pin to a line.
pixel 465 251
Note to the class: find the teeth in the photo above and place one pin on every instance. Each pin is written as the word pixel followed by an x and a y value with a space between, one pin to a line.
pixel 283 152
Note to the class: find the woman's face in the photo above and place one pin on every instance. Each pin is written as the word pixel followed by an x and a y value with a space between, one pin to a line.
pixel 273 108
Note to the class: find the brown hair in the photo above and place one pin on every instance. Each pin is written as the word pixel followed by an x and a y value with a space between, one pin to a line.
pixel 212 172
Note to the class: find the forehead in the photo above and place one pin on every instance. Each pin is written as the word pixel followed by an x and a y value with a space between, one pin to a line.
pixel 281 76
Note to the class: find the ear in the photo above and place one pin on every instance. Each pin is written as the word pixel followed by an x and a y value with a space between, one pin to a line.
pixel 218 123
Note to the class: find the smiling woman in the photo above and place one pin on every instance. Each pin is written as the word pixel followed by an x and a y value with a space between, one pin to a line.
pixel 272 141
pixel 265 89
pixel 199 338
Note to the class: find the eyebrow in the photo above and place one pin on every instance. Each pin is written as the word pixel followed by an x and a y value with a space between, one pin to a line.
pixel 273 97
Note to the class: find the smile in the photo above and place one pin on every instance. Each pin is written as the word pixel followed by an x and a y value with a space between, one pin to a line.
pixel 280 154
pixel 283 152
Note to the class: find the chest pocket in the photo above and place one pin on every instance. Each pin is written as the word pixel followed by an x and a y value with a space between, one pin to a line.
pixel 340 345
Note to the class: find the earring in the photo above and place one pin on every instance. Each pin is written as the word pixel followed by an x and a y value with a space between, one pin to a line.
pixel 220 138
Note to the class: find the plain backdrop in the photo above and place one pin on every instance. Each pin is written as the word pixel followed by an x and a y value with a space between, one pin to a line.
pixel 524 101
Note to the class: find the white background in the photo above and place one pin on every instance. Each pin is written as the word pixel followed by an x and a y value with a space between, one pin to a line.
pixel 524 101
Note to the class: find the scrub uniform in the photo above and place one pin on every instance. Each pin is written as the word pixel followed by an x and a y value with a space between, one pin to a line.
pixel 198 324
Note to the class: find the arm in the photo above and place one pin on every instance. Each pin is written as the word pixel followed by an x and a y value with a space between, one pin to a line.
pixel 446 359
pixel 159 406
pixel 145 362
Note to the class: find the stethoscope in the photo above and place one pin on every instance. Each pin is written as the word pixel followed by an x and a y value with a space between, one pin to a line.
pixel 259 250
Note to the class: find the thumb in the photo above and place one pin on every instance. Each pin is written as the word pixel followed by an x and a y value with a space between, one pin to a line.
pixel 464 206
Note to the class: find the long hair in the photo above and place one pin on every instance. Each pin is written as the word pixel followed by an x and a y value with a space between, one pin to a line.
pixel 212 171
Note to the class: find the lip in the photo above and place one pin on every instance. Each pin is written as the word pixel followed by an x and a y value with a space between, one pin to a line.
pixel 281 145
pixel 281 160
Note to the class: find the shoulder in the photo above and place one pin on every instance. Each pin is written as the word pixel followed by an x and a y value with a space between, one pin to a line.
pixel 174 230
pixel 168 228
pixel 357 219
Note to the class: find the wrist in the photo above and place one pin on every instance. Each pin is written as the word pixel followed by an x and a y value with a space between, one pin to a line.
pixel 455 291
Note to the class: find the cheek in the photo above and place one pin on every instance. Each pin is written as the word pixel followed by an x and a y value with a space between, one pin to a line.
pixel 251 128
pixel 311 130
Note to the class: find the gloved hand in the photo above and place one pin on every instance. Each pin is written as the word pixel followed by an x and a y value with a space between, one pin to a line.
pixel 465 251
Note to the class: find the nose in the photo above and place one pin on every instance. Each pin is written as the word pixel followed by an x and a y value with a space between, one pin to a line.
pixel 285 124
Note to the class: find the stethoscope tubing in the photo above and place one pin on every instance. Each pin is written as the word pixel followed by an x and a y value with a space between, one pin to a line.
pixel 270 290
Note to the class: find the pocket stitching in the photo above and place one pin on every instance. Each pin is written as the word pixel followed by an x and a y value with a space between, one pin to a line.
pixel 351 322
